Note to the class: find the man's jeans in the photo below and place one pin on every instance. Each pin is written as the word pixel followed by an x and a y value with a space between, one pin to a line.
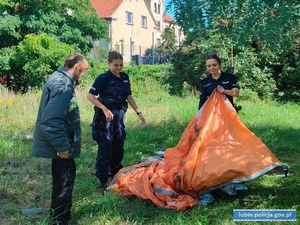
pixel 63 175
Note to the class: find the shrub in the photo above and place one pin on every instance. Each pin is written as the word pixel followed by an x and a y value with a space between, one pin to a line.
pixel 34 59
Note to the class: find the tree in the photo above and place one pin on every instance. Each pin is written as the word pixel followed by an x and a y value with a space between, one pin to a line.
pixel 5 3
pixel 266 30
pixel 44 52
pixel 71 22
pixel 167 47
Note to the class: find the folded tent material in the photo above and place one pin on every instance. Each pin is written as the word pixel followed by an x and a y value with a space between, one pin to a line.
pixel 216 149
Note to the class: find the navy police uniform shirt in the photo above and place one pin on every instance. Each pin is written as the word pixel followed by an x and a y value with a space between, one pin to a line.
pixel 208 85
pixel 110 88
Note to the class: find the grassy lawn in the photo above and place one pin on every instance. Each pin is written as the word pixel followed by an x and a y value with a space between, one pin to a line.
pixel 25 181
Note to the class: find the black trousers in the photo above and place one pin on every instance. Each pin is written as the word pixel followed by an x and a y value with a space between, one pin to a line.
pixel 110 146
pixel 63 175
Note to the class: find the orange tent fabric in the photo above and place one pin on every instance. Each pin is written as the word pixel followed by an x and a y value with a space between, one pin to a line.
pixel 215 149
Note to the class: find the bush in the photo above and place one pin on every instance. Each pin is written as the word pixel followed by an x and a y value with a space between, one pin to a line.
pixel 34 59
pixel 248 95
pixel 288 80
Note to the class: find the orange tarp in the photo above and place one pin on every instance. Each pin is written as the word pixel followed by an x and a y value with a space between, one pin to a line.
pixel 214 150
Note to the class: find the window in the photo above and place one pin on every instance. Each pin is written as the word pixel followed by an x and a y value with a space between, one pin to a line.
pixel 155 9
pixel 158 25
pixel 158 8
pixel 144 21
pixel 158 42
pixel 132 47
pixel 129 18
pixel 122 46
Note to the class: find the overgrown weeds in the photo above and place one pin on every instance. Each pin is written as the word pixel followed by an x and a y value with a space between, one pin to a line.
pixel 25 181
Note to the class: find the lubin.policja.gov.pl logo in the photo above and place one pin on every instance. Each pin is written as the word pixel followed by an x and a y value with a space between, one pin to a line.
pixel 264 215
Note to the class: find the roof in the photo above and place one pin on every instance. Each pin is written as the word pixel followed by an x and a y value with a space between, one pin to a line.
pixel 168 18
pixel 106 8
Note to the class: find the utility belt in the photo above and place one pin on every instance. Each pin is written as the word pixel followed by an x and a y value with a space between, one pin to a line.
pixel 100 122
pixel 116 106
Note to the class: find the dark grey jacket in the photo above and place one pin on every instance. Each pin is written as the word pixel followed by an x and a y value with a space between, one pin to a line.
pixel 57 127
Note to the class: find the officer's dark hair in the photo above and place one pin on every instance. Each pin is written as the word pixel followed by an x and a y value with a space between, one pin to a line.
pixel 72 59
pixel 112 55
pixel 214 56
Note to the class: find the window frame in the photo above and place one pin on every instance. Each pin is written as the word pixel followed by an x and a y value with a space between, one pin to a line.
pixel 144 22
pixel 129 17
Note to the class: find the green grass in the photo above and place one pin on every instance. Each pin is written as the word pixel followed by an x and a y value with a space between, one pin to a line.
pixel 25 181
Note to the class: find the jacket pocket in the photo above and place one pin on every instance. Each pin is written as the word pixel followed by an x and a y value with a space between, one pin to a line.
pixel 70 134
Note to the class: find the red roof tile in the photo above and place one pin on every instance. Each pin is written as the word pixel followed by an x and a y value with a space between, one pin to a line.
pixel 106 8
pixel 168 18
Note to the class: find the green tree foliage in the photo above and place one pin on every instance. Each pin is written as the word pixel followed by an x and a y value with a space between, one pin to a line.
pixel 265 33
pixel 67 22
pixel 5 3
pixel 70 21
pixel 9 26
pixel 44 52
pixel 167 46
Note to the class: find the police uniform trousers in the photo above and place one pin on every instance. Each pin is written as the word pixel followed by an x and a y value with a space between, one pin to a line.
pixel 110 146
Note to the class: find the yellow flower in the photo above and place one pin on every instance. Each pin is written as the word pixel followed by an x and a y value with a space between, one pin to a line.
pixel 21 121
pixel 40 92
pixel 11 101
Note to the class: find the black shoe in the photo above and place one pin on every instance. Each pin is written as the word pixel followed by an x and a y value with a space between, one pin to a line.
pixel 102 189
pixel 103 185
pixel 59 222
pixel 103 181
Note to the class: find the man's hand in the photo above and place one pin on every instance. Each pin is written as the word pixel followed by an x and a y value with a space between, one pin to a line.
pixel 63 155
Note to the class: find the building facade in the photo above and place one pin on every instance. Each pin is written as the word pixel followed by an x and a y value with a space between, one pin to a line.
pixel 134 26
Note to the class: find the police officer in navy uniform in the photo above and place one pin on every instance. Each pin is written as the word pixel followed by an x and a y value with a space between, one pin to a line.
pixel 110 94
pixel 217 79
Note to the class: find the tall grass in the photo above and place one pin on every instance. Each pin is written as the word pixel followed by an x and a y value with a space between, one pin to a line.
pixel 25 181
